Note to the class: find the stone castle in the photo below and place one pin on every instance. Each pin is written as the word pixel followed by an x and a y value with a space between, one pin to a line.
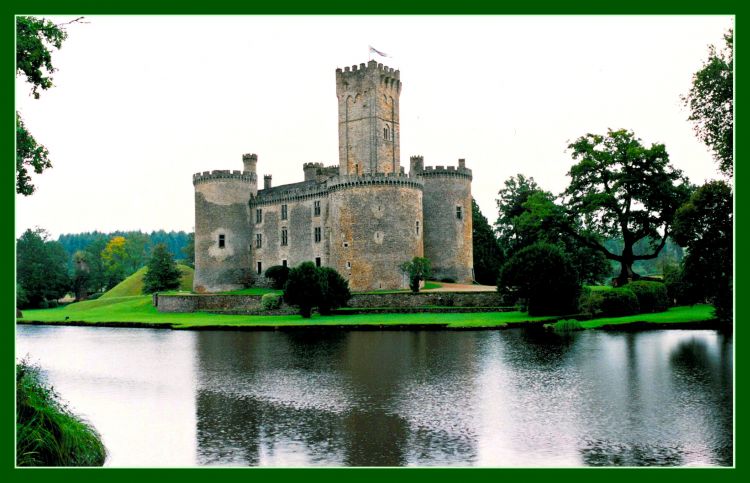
pixel 364 217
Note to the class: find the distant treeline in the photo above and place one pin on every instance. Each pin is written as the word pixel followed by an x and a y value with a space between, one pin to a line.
pixel 175 241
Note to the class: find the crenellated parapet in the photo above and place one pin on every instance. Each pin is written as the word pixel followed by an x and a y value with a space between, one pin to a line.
pixel 224 175
pixel 369 179
pixel 419 169
pixel 300 192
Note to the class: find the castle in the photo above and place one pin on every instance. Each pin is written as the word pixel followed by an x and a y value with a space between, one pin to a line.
pixel 364 217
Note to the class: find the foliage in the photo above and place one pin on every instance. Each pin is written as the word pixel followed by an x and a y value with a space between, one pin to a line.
pixel 133 284
pixel 278 275
pixel 41 267
pixel 542 275
pixel 335 291
pixel 704 226
pixel 47 432
pixel 303 288
pixel 711 104
pixel 21 299
pixel 529 215
pixel 620 188
pixel 676 285
pixel 116 261
pixel 418 269
pixel 270 301
pixel 617 302
pixel 35 37
pixel 567 325
pixel 189 250
pixel 488 257
pixel 161 273
pixel 29 155
pixel 652 296
pixel 81 279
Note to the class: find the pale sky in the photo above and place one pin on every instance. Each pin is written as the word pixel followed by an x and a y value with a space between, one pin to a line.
pixel 141 103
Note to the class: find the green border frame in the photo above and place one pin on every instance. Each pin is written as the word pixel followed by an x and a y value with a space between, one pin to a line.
pixel 196 7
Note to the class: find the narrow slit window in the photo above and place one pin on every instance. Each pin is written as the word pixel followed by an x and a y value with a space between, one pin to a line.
pixel 222 241
pixel 348 265
pixel 416 227
pixel 258 215
pixel 284 237
pixel 283 212
pixel 459 215
pixel 260 268
pixel 318 234
pixel 316 208
pixel 258 240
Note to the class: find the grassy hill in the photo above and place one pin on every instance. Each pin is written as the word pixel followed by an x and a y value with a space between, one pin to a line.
pixel 133 285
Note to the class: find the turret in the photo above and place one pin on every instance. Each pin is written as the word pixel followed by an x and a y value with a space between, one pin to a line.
pixel 250 162
pixel 267 181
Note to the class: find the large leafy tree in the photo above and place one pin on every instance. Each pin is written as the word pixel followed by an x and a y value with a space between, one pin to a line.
pixel 42 267
pixel 162 273
pixel 710 101
pixel 510 205
pixel 335 291
pixel 704 226
pixel 116 260
pixel 35 39
pixel 488 257
pixel 620 188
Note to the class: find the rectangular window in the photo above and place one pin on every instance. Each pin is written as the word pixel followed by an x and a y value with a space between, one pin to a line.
pixel 221 241
pixel 260 268
pixel 458 212
pixel 317 261
pixel 284 237
pixel 283 212
pixel 258 215
pixel 318 235
pixel 258 240
pixel 316 208
pixel 283 263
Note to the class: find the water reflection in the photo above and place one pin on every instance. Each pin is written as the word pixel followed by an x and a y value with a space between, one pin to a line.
pixel 423 398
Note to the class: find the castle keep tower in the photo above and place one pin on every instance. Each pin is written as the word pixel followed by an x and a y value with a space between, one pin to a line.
pixel 222 227
pixel 369 131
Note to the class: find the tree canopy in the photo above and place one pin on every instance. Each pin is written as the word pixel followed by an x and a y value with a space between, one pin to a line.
pixel 620 188
pixel 711 105
pixel 42 268
pixel 162 273
pixel 488 257
pixel 418 269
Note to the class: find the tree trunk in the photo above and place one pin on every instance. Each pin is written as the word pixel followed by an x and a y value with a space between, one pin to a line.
pixel 626 263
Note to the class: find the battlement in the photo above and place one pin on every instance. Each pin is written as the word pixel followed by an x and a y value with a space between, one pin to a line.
pixel 450 171
pixel 293 192
pixel 368 179
pixel 312 165
pixel 385 75
pixel 224 175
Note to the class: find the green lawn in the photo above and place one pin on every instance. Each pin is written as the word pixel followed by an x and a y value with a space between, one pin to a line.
pixel 133 285
pixel 138 309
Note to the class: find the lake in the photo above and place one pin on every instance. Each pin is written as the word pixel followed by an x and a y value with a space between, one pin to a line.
pixel 500 398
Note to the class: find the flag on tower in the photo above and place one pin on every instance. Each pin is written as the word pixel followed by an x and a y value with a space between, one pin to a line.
pixel 373 50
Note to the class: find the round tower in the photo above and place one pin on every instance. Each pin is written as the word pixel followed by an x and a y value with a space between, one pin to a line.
pixel 222 227
pixel 376 225
pixel 447 221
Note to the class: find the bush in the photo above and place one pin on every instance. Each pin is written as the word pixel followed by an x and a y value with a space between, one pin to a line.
pixel 53 304
pixel 94 295
pixel 47 432
pixel 303 288
pixel 652 296
pixel 617 302
pixel 334 290
pixel 417 269
pixel 567 325
pixel 544 277
pixel 162 273
pixel 278 275
pixel 270 301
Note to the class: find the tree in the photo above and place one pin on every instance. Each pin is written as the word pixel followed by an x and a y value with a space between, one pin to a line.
pixel 335 291
pixel 162 273
pixel 710 101
pixel 510 205
pixel 81 275
pixel 544 277
pixel 116 261
pixel 189 251
pixel 418 269
pixel 704 226
pixel 303 288
pixel 42 267
pixel 35 37
pixel 488 257
pixel 620 188
pixel 278 275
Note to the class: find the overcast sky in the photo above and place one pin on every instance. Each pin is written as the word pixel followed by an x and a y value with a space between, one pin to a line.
pixel 142 103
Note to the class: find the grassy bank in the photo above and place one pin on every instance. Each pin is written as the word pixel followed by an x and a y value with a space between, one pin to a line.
pixel 138 310
pixel 47 433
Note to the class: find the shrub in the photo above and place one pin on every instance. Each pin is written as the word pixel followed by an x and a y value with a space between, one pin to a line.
pixel 270 301
pixel 53 304
pixel 162 273
pixel 652 296
pixel 94 295
pixel 47 432
pixel 418 269
pixel 542 275
pixel 278 275
pixel 335 291
pixel 617 302
pixel 567 325
pixel 303 288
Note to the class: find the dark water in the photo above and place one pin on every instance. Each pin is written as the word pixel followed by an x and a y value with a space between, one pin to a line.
pixel 478 398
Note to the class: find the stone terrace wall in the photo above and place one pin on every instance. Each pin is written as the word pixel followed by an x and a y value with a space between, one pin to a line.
pixel 251 303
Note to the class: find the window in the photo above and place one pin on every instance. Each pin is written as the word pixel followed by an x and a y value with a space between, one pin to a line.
pixel 284 237
pixel 345 244
pixel 317 261
pixel 385 133
pixel 260 268
pixel 283 212
pixel 283 263
pixel 221 241
pixel 258 215
pixel 416 227
pixel 348 265
pixel 458 213
pixel 258 241
pixel 316 208
pixel 318 235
